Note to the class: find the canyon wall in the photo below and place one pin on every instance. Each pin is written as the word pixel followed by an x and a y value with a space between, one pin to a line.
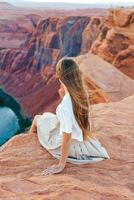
pixel 28 72
pixel 115 42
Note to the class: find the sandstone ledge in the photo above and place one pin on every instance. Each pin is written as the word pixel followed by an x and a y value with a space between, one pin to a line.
pixel 22 159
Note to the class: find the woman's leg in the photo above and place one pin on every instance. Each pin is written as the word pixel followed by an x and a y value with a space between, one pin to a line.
pixel 33 128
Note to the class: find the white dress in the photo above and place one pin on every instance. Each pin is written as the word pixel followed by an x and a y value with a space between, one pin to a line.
pixel 51 126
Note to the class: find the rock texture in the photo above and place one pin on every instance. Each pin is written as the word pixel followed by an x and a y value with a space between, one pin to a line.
pixel 112 84
pixel 22 159
pixel 32 65
pixel 28 68
pixel 115 42
pixel 16 23
pixel 27 71
pixel 91 32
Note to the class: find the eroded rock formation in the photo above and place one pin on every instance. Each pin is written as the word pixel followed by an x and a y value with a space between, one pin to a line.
pixel 28 72
pixel 115 42
pixel 31 67
pixel 112 85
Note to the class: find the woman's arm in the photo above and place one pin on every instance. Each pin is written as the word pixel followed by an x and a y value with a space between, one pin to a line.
pixel 66 140
pixel 54 169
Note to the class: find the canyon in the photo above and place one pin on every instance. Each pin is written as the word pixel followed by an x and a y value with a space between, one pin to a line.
pixel 31 64
pixel 116 41
pixel 101 42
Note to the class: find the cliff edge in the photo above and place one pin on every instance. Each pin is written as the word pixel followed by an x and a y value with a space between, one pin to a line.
pixel 22 159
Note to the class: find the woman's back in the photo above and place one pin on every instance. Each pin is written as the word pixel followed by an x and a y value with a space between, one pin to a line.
pixel 66 116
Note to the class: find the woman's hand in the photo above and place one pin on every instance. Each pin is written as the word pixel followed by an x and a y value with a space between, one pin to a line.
pixel 54 169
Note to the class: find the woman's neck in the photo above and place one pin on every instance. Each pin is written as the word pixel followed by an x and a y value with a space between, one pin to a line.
pixel 66 91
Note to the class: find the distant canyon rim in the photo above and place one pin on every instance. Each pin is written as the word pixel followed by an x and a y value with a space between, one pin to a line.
pixel 32 41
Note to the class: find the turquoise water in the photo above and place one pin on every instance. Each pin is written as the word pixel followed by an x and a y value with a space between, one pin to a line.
pixel 8 124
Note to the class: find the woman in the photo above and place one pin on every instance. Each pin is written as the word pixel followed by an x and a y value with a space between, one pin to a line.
pixel 68 135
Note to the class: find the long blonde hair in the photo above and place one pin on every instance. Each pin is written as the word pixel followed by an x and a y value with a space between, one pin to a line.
pixel 67 70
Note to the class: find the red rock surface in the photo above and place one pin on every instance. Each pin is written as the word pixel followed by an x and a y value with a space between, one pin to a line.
pixel 116 40
pixel 17 23
pixel 28 71
pixel 22 159
pixel 111 82
pixel 91 32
